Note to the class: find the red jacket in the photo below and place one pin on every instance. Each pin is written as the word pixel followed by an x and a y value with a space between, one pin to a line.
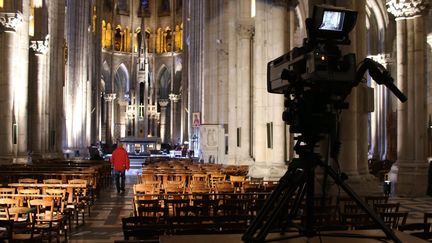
pixel 120 159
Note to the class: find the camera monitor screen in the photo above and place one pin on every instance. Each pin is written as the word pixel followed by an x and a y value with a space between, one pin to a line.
pixel 332 20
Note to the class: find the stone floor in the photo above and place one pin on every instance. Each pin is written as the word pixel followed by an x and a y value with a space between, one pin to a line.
pixel 104 225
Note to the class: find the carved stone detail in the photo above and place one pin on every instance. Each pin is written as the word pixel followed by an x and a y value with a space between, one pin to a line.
pixel 109 97
pixel 174 97
pixel 9 22
pixel 406 8
pixel 40 47
pixel 163 102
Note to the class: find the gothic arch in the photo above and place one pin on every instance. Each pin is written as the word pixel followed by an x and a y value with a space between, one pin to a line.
pixel 164 81
pixel 122 82
pixel 106 76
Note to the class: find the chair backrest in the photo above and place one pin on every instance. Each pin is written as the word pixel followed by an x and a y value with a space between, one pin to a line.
pixel 223 187
pixel 27 180
pixel 216 177
pixel 386 207
pixel 394 219
pixel 44 207
pixel 371 200
pixel 143 189
pixel 78 181
pixel 52 181
pixel 7 190
pixel 59 199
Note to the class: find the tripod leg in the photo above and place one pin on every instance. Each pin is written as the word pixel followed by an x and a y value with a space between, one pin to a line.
pixel 293 180
pixel 390 234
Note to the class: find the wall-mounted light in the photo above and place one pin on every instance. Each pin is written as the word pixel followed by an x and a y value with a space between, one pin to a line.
pixel 1 4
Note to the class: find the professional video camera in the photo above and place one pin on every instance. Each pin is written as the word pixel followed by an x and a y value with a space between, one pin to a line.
pixel 315 80
pixel 317 75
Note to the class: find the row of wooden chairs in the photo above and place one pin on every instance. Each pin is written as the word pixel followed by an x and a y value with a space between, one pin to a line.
pixel 200 204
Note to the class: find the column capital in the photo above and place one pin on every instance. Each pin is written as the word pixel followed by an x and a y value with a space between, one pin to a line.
pixel 9 22
pixel 163 103
pixel 109 97
pixel 40 47
pixel 174 97
pixel 402 9
pixel 429 39
pixel 245 29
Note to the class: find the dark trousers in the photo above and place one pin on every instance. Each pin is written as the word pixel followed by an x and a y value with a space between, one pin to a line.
pixel 120 177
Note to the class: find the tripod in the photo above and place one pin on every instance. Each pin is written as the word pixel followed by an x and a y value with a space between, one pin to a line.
pixel 298 183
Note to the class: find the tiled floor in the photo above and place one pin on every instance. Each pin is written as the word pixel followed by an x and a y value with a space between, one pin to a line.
pixel 104 225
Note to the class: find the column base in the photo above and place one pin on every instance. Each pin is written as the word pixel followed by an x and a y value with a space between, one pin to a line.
pixel 409 178
pixel 272 172
pixel 75 153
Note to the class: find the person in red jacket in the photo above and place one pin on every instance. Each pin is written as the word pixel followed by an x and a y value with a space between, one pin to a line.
pixel 120 161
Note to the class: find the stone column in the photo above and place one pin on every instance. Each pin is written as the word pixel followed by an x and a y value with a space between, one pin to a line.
pixel 109 104
pixel 37 85
pixel 245 33
pixel 379 143
pixel 9 23
pixel 163 106
pixel 174 98
pixel 409 173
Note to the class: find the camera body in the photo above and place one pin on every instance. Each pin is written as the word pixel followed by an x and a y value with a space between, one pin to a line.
pixel 316 77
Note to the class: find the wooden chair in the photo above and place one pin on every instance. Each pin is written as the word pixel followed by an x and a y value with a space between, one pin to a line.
pixel 149 208
pixel 394 219
pixel 27 194
pixel 200 177
pixel 24 229
pixel 48 221
pixel 214 178
pixel 5 204
pixel 80 200
pixel 60 201
pixel 237 182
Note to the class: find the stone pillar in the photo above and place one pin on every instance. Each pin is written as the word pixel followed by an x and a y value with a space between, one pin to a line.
pixel 163 106
pixel 409 173
pixel 379 143
pixel 109 104
pixel 37 85
pixel 9 23
pixel 76 86
pixel 174 98
pixel 56 79
pixel 245 32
